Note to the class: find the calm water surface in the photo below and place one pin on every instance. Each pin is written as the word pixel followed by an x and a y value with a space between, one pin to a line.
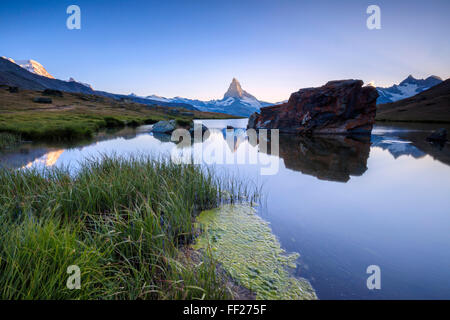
pixel 342 203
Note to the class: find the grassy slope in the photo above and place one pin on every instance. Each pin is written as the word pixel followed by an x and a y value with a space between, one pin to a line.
pixel 432 105
pixel 76 115
pixel 123 222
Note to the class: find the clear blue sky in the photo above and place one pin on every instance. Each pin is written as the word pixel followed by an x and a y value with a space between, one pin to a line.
pixel 193 48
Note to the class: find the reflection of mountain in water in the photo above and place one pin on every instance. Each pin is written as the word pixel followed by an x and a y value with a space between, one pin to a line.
pixel 325 157
pixel 397 147
pixel 47 154
pixel 411 139
pixel 22 157
pixel 236 138
pixel 438 151
pixel 29 155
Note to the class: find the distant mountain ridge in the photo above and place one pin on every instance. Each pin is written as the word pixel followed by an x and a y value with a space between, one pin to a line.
pixel 405 89
pixel 31 66
pixel 14 75
pixel 35 67
pixel 432 105
pixel 85 84
pixel 32 75
pixel 235 101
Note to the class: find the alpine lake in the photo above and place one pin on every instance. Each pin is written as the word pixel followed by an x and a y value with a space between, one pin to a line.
pixel 334 205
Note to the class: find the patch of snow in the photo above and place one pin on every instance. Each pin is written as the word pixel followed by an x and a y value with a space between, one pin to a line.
pixel 33 67
pixel 84 84
pixel 158 98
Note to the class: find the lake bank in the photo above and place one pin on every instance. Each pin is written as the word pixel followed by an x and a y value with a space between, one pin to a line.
pixel 76 116
pixel 123 222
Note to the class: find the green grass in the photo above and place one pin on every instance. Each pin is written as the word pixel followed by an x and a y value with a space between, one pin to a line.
pixel 62 127
pixel 8 140
pixel 184 122
pixel 124 222
pixel 71 126
pixel 77 117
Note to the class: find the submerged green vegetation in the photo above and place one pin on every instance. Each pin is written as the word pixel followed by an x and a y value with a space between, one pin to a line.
pixel 126 223
pixel 247 249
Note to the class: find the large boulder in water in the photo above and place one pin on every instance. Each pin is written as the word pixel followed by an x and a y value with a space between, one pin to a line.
pixel 339 107
pixel 164 126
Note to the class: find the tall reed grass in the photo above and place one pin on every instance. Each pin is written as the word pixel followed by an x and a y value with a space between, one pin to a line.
pixel 124 221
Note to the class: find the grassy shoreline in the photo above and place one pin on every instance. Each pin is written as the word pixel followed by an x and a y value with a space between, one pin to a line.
pixel 124 222
pixel 79 116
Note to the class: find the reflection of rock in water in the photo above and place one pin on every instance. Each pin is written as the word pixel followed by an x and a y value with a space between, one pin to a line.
pixel 325 157
pixel 162 137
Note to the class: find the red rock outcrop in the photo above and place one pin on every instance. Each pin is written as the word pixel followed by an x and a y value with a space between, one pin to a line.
pixel 339 107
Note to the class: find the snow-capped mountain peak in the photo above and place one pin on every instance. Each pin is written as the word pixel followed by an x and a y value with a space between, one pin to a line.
pixel 35 67
pixel 235 91
pixel 32 66
pixel 407 88
pixel 409 79
pixel 236 101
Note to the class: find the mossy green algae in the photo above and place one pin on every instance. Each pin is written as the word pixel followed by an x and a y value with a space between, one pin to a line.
pixel 248 250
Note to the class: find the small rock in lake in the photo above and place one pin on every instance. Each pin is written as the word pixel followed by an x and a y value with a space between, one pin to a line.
pixel 164 126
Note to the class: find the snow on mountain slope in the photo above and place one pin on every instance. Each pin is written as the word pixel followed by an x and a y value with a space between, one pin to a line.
pixel 84 84
pixel 12 74
pixel 37 68
pixel 32 66
pixel 235 101
pixel 407 88
pixel 158 98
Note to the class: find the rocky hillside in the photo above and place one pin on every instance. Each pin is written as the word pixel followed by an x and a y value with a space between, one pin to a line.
pixel 432 105
pixel 14 75
pixel 32 66
pixel 405 89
